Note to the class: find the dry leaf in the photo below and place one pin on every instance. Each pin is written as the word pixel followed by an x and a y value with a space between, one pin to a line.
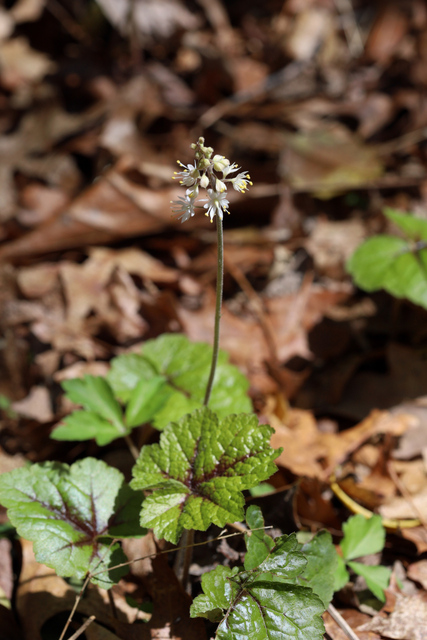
pixel 408 620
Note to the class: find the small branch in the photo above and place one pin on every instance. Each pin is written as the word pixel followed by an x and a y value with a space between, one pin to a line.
pixel 82 629
pixel 342 623
pixel 76 604
pixel 219 293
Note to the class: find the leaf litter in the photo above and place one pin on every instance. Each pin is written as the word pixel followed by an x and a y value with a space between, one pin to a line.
pixel 324 103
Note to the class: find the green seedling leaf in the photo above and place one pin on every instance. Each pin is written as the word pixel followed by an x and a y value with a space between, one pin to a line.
pixel 252 605
pixel 185 366
pixel 261 489
pixel 377 577
pixel 146 399
pixel 126 371
pixel 322 564
pixel 84 425
pixel 102 418
pixel 362 536
pixel 414 228
pixel 341 574
pixel 258 543
pixel 94 394
pixel 199 469
pixel 395 264
pixel 71 515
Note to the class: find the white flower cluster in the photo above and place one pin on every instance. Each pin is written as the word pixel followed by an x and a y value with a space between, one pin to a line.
pixel 203 174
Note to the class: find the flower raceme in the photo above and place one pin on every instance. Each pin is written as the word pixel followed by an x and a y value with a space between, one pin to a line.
pixel 203 173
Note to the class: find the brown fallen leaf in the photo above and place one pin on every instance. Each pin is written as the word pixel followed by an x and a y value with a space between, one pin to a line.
pixel 355 619
pixel 290 318
pixel 37 405
pixel 311 453
pixel 408 620
pixel 41 595
pixel 417 571
pixel 171 604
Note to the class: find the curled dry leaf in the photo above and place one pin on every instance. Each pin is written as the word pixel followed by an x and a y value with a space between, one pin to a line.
pixel 305 446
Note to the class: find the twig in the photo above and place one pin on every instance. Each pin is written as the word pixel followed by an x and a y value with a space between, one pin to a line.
pixel 196 544
pixel 350 27
pixel 342 623
pixel 76 604
pixel 82 629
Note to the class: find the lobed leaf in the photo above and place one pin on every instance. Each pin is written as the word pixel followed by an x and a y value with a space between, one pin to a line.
pixel 362 536
pixel 198 470
pixel 85 425
pixel 322 564
pixel 185 367
pixel 258 543
pixel 101 418
pixel 341 576
pixel 377 577
pixel 250 606
pixel 71 513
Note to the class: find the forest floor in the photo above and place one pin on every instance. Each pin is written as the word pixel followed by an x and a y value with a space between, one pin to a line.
pixel 324 103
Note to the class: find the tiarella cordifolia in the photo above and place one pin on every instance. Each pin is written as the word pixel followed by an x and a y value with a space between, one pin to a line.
pixel 203 174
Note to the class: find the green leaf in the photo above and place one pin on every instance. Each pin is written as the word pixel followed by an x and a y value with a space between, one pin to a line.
pixel 414 228
pixel 394 264
pixel 285 561
pixel 146 399
pixel 257 609
pixel 362 536
pixel 258 544
pixel 261 489
pixel 126 372
pixel 341 574
pixel 185 365
pixel 219 591
pixel 372 265
pixel 67 512
pixel 94 394
pixel 322 563
pixel 102 418
pixel 199 469
pixel 84 425
pixel 377 577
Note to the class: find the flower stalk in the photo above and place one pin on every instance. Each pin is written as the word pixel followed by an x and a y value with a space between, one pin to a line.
pixel 218 305
pixel 203 175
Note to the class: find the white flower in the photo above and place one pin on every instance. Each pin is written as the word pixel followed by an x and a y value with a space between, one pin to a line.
pixel 185 208
pixel 188 176
pixel 219 163
pixel 241 181
pixel 229 169
pixel 216 204
pixel 220 186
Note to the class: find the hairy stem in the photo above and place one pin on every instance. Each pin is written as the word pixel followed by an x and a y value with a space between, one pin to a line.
pixel 219 292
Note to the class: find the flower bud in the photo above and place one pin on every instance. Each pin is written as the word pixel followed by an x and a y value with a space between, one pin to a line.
pixel 220 162
pixel 204 181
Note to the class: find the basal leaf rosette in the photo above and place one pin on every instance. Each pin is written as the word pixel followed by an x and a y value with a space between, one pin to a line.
pixel 198 470
pixel 72 514
pixel 184 367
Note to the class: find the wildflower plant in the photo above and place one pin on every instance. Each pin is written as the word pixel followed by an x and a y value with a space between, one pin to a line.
pixel 195 476
pixel 204 174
